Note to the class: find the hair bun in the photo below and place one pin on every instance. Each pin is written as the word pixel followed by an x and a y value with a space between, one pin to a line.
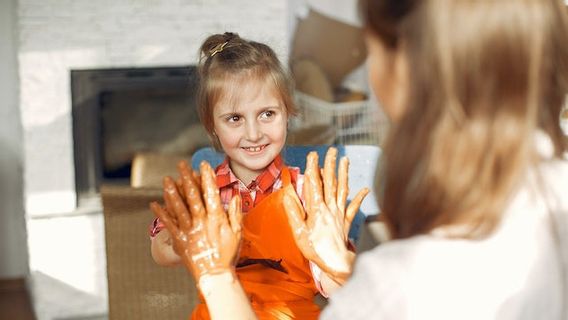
pixel 230 36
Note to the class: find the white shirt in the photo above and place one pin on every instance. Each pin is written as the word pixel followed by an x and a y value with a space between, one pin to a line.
pixel 519 272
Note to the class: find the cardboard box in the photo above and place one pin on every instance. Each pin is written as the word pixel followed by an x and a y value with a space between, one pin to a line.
pixel 338 48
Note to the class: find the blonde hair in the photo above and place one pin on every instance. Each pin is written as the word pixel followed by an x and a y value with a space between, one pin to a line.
pixel 225 61
pixel 485 75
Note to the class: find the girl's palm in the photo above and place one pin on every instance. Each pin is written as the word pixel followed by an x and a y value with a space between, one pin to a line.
pixel 204 235
pixel 321 229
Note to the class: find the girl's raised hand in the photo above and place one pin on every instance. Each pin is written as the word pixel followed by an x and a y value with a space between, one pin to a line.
pixel 204 235
pixel 321 230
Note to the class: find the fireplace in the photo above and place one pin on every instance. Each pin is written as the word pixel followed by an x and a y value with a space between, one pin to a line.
pixel 117 113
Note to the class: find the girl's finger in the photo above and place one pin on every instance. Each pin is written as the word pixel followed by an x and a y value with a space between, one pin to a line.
pixel 313 183
pixel 295 213
pixel 354 207
pixel 168 203
pixel 164 217
pixel 174 200
pixel 196 178
pixel 329 180
pixel 210 190
pixel 342 184
pixel 191 189
pixel 306 193
pixel 179 185
pixel 235 214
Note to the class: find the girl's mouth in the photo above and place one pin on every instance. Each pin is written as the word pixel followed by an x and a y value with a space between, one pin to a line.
pixel 255 149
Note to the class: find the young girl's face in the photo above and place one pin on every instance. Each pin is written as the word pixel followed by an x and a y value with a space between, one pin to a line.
pixel 250 123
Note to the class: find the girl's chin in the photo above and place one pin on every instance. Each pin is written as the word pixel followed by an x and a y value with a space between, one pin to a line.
pixel 258 160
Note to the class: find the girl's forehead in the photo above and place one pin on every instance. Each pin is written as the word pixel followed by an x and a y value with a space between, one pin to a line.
pixel 240 92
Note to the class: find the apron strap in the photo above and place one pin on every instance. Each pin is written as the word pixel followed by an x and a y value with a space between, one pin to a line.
pixel 285 176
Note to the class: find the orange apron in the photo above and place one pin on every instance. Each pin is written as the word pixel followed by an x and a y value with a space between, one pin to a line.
pixel 273 294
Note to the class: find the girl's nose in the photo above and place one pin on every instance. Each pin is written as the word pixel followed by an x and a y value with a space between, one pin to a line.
pixel 253 132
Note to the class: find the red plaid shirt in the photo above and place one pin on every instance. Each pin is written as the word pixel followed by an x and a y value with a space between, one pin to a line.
pixel 252 194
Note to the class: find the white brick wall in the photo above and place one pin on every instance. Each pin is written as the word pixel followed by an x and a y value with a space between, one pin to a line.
pixel 13 240
pixel 56 36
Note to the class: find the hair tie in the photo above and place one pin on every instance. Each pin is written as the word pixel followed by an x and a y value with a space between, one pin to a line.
pixel 218 48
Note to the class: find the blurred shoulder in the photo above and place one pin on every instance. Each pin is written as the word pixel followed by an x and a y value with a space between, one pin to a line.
pixel 380 284
pixel 552 179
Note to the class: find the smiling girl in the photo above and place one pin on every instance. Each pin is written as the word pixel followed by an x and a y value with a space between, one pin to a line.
pixel 245 101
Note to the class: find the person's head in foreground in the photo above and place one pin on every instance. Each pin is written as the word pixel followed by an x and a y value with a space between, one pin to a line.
pixel 468 85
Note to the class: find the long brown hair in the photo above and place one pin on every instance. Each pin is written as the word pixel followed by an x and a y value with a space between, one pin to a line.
pixel 484 76
pixel 226 60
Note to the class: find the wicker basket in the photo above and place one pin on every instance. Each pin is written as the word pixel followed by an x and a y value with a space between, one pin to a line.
pixel 356 122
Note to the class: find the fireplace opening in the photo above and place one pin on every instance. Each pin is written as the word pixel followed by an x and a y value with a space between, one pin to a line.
pixel 118 113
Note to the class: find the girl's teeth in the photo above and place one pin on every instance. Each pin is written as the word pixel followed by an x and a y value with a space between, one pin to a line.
pixel 254 149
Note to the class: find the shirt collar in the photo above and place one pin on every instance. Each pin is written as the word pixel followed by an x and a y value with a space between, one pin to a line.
pixel 262 182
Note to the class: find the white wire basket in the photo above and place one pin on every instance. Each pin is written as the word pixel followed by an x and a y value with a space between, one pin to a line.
pixel 355 122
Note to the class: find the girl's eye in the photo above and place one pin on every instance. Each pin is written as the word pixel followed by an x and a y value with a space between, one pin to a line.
pixel 233 118
pixel 267 114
